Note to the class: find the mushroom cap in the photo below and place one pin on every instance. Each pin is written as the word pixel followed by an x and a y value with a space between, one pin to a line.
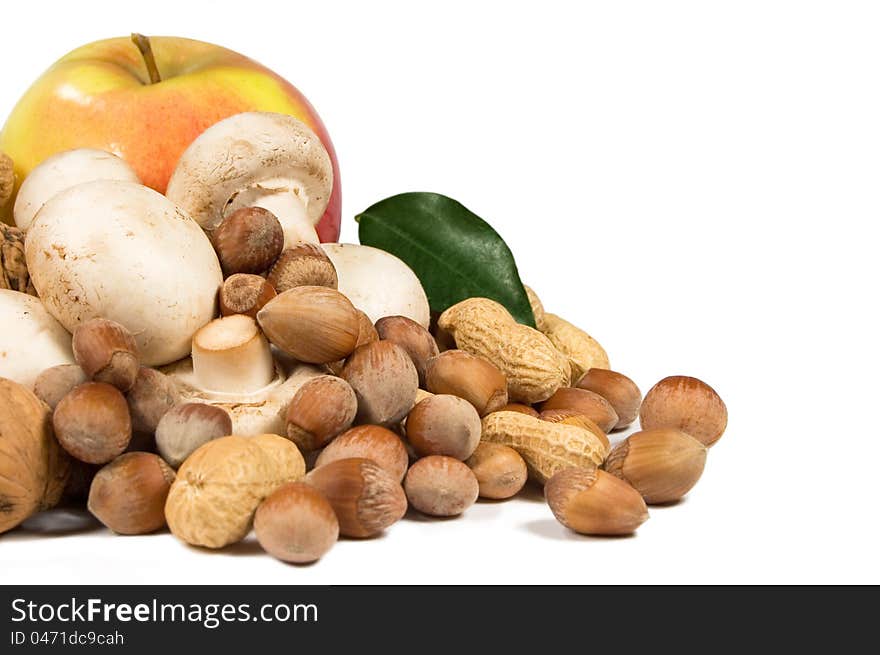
pixel 31 339
pixel 62 171
pixel 121 251
pixel 378 283
pixel 243 150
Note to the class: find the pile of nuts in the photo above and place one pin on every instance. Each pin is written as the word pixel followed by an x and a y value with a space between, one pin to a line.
pixel 394 417
pixel 322 401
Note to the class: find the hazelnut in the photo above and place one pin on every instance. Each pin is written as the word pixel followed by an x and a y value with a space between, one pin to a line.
pixel 617 389
pixel 468 376
pixel 686 404
pixel 56 382
pixel 296 524
pixel 364 496
pixel 186 427
pixel 590 404
pixel 313 324
pixel 366 334
pixel 128 494
pixel 218 488
pixel 574 417
pixel 248 241
pixel 244 293
pixel 92 422
pixel 519 407
pixel 441 486
pixel 322 408
pixel 303 264
pixel 500 470
pixel 661 464
pixel 152 395
pixel 444 425
pixel 412 337
pixel 33 468
pixel 372 442
pixel 591 501
pixel 107 352
pixel 384 380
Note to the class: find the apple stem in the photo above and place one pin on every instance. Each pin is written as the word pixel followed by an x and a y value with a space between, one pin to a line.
pixel 143 44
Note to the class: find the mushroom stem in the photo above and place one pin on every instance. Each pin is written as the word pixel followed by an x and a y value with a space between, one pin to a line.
pixel 287 200
pixel 146 49
pixel 231 355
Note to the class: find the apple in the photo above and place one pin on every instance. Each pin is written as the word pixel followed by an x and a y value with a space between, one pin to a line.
pixel 101 95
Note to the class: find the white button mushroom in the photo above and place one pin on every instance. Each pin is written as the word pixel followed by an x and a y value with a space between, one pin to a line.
pixel 62 171
pixel 232 366
pixel 255 159
pixel 121 251
pixel 231 355
pixel 30 339
pixel 258 411
pixel 378 283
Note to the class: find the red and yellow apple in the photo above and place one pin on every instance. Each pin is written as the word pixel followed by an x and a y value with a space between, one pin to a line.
pixel 101 96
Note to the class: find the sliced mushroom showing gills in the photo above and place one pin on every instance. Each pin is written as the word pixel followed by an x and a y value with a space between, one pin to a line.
pixel 232 366
pixel 255 159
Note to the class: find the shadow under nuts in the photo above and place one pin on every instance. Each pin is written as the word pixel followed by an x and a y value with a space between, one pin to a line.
pixel 661 464
pixel 591 501
pixel 686 404
pixel 312 324
pixel 384 380
pixel 128 494
pixel 364 496
pixel 92 423
pixel 444 425
pixel 296 524
pixel 441 486
pixel 372 442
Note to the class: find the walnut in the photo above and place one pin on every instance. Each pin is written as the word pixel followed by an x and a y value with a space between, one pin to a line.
pixel 7 178
pixel 13 267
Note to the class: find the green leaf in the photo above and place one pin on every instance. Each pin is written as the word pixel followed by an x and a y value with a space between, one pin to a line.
pixel 454 252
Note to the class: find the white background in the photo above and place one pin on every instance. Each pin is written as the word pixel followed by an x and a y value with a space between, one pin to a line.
pixel 694 183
